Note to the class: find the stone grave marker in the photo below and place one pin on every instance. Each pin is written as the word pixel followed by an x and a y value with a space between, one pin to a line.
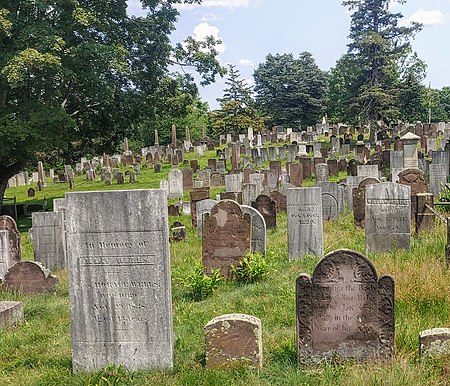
pixel 5 262
pixel 434 342
pixel 438 177
pixel 226 237
pixel 12 241
pixel 415 180
pixel 304 222
pixel 368 171
pixel 49 240
pixel 344 311
pixel 203 207
pixel 235 196
pixel 119 279
pixel 264 205
pixel 322 172
pixel 331 202
pixel 197 195
pixel 249 193
pixel 188 180
pixel 177 231
pixel 258 229
pixel 175 179
pixel 280 200
pixel 359 201
pixel 29 277
pixel 11 313
pixel 388 217
pixel 233 340
pixel 233 183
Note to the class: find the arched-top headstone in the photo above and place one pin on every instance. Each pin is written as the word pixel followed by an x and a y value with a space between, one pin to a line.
pixel 203 207
pixel 258 229
pixel 359 200
pixel 344 310
pixel 264 205
pixel 415 179
pixel 226 237
pixel 30 277
pixel 8 224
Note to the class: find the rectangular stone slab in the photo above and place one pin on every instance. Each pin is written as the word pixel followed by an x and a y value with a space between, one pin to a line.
pixel 10 313
pixel 119 279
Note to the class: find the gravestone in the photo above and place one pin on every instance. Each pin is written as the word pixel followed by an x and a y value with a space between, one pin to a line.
pixel 368 171
pixel 11 313
pixel 29 277
pixel 359 201
pixel 235 196
pixel 233 340
pixel 280 200
pixel 119 279
pixel 188 180
pixel 175 179
pixel 344 311
pixel 226 237
pixel 304 222
pixel 233 183
pixel 434 342
pixel 264 205
pixel 388 217
pixel 415 180
pixel 331 202
pixel 5 262
pixel 296 174
pixel 322 172
pixel 258 229
pixel 197 195
pixel 31 192
pixel 249 193
pixel 14 254
pixel 177 232
pixel 49 239
pixel 438 178
pixel 352 182
pixel 203 207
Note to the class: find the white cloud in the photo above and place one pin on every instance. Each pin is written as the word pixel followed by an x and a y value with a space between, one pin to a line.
pixel 212 17
pixel 216 4
pixel 246 63
pixel 204 29
pixel 434 17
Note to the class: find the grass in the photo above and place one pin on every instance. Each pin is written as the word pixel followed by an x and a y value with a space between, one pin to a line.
pixel 37 352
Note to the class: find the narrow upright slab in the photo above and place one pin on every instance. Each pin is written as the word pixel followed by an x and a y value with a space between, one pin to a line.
pixel 8 224
pixel 233 340
pixel 388 217
pixel 264 205
pixel 344 310
pixel 258 229
pixel 49 239
pixel 304 220
pixel 4 253
pixel 119 279
pixel 10 313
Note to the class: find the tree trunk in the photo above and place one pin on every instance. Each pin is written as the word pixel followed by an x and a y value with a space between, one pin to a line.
pixel 5 175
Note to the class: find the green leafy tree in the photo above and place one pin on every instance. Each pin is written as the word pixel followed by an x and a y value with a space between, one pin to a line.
pixel 78 76
pixel 290 91
pixel 379 46
pixel 237 107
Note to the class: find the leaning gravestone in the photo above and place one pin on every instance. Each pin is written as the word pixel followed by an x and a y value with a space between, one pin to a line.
pixel 344 310
pixel 10 241
pixel 264 205
pixel 49 239
pixel 233 340
pixel 226 237
pixel 258 229
pixel 304 222
pixel 119 279
pixel 388 217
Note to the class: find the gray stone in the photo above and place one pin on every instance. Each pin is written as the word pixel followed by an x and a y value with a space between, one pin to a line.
pixel 258 229
pixel 203 207
pixel 49 240
pixel 438 178
pixel 304 221
pixel 13 255
pixel 322 172
pixel 249 193
pixel 119 279
pixel 368 171
pixel 332 204
pixel 434 342
pixel 10 313
pixel 5 262
pixel 345 311
pixel 388 217
pixel 233 340
pixel 175 179
pixel 352 182
pixel 233 183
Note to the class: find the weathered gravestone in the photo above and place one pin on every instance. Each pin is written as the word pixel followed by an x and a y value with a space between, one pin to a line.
pixel 415 180
pixel 10 244
pixel 322 172
pixel 233 183
pixel 258 229
pixel 434 342
pixel 331 200
pixel 235 196
pixel 119 279
pixel 344 310
pixel 226 237
pixel 388 217
pixel 177 231
pixel 30 277
pixel 280 200
pixel 49 240
pixel 197 195
pixel 438 178
pixel 304 222
pixel 368 171
pixel 10 313
pixel 203 207
pixel 188 181
pixel 175 179
pixel 264 205
pixel 233 340
pixel 359 201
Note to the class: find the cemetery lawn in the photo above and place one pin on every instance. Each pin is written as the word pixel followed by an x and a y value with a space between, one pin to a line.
pixel 37 351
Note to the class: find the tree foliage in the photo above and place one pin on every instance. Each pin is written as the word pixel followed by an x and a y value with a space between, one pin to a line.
pixel 237 108
pixel 77 76
pixel 290 91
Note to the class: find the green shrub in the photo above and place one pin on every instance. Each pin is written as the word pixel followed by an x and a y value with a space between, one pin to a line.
pixel 198 285
pixel 252 268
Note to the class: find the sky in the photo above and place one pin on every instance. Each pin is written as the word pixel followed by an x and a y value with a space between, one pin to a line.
pixel 251 29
